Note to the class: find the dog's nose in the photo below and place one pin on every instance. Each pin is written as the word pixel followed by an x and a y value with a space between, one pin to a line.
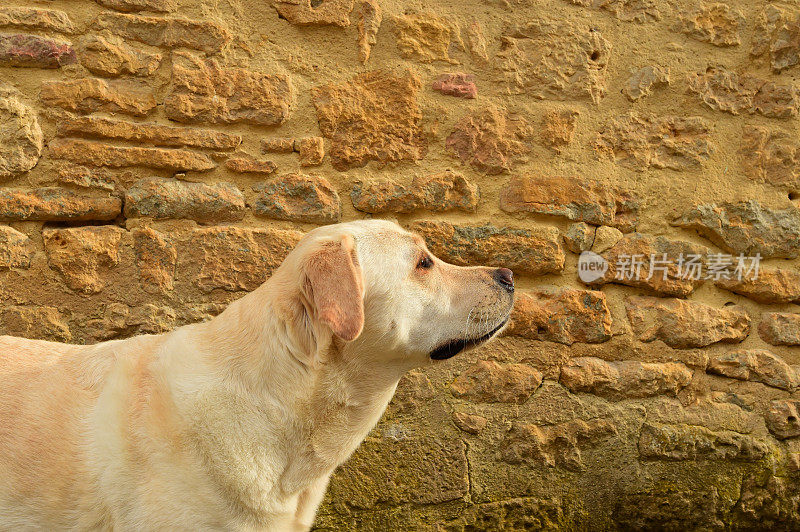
pixel 505 277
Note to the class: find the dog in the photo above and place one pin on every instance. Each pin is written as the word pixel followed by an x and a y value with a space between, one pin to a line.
pixel 236 423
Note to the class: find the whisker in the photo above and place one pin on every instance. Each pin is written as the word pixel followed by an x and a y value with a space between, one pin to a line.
pixel 466 323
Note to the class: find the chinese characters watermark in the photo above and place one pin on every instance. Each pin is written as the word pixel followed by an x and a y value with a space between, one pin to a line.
pixel 690 266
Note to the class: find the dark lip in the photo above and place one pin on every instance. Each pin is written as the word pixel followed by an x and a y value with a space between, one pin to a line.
pixel 454 347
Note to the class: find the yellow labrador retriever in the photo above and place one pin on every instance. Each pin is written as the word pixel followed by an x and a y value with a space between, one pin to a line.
pixel 236 423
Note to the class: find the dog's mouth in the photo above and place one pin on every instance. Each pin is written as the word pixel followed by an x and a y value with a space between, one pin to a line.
pixel 454 347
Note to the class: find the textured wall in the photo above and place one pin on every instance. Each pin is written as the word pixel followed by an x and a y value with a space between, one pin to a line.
pixel 159 157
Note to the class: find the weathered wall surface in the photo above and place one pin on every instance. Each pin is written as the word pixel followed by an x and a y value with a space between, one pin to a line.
pixel 159 157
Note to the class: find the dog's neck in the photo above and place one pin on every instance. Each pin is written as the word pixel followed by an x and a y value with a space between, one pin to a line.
pixel 259 336
pixel 328 406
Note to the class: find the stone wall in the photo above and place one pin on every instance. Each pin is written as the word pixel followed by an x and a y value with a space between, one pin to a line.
pixel 158 158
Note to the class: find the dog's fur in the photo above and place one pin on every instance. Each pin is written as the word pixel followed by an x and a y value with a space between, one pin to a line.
pixel 236 423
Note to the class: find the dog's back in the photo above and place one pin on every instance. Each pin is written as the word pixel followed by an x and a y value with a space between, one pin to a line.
pixel 46 392
pixel 40 401
pixel 82 430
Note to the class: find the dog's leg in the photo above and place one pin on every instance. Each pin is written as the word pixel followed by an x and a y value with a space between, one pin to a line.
pixel 308 503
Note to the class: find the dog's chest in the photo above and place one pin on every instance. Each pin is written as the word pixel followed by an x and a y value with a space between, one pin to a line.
pixel 262 453
pixel 256 453
pixel 339 427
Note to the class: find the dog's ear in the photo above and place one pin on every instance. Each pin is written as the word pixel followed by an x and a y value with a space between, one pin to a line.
pixel 336 287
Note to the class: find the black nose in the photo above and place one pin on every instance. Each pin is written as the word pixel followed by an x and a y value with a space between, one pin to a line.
pixel 505 277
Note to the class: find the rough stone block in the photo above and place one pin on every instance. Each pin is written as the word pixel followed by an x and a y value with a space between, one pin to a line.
pixel 300 198
pixel 109 55
pixel 98 154
pixel 574 66
pixel 53 204
pixel 97 127
pixel 207 36
pixel 458 84
pixel 746 227
pixel 491 141
pixel 780 328
pixel 22 50
pixel 37 322
pixel 783 418
pixel 684 442
pixel 83 255
pixel 203 91
pixel 555 445
pixel 624 379
pixel 34 18
pixel 685 324
pixel 160 199
pixel 89 95
pixel 156 258
pixel 234 258
pixel 723 90
pixel 645 141
pixel 487 381
pixel 534 251
pixel 21 139
pixel 565 316
pixel 16 249
pixel 714 23
pixel 440 192
pixel 573 198
pixel 372 117
pixel 757 365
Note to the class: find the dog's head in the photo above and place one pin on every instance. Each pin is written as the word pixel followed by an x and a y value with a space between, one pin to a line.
pixel 376 287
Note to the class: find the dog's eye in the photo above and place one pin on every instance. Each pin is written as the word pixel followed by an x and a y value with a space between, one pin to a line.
pixel 425 263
